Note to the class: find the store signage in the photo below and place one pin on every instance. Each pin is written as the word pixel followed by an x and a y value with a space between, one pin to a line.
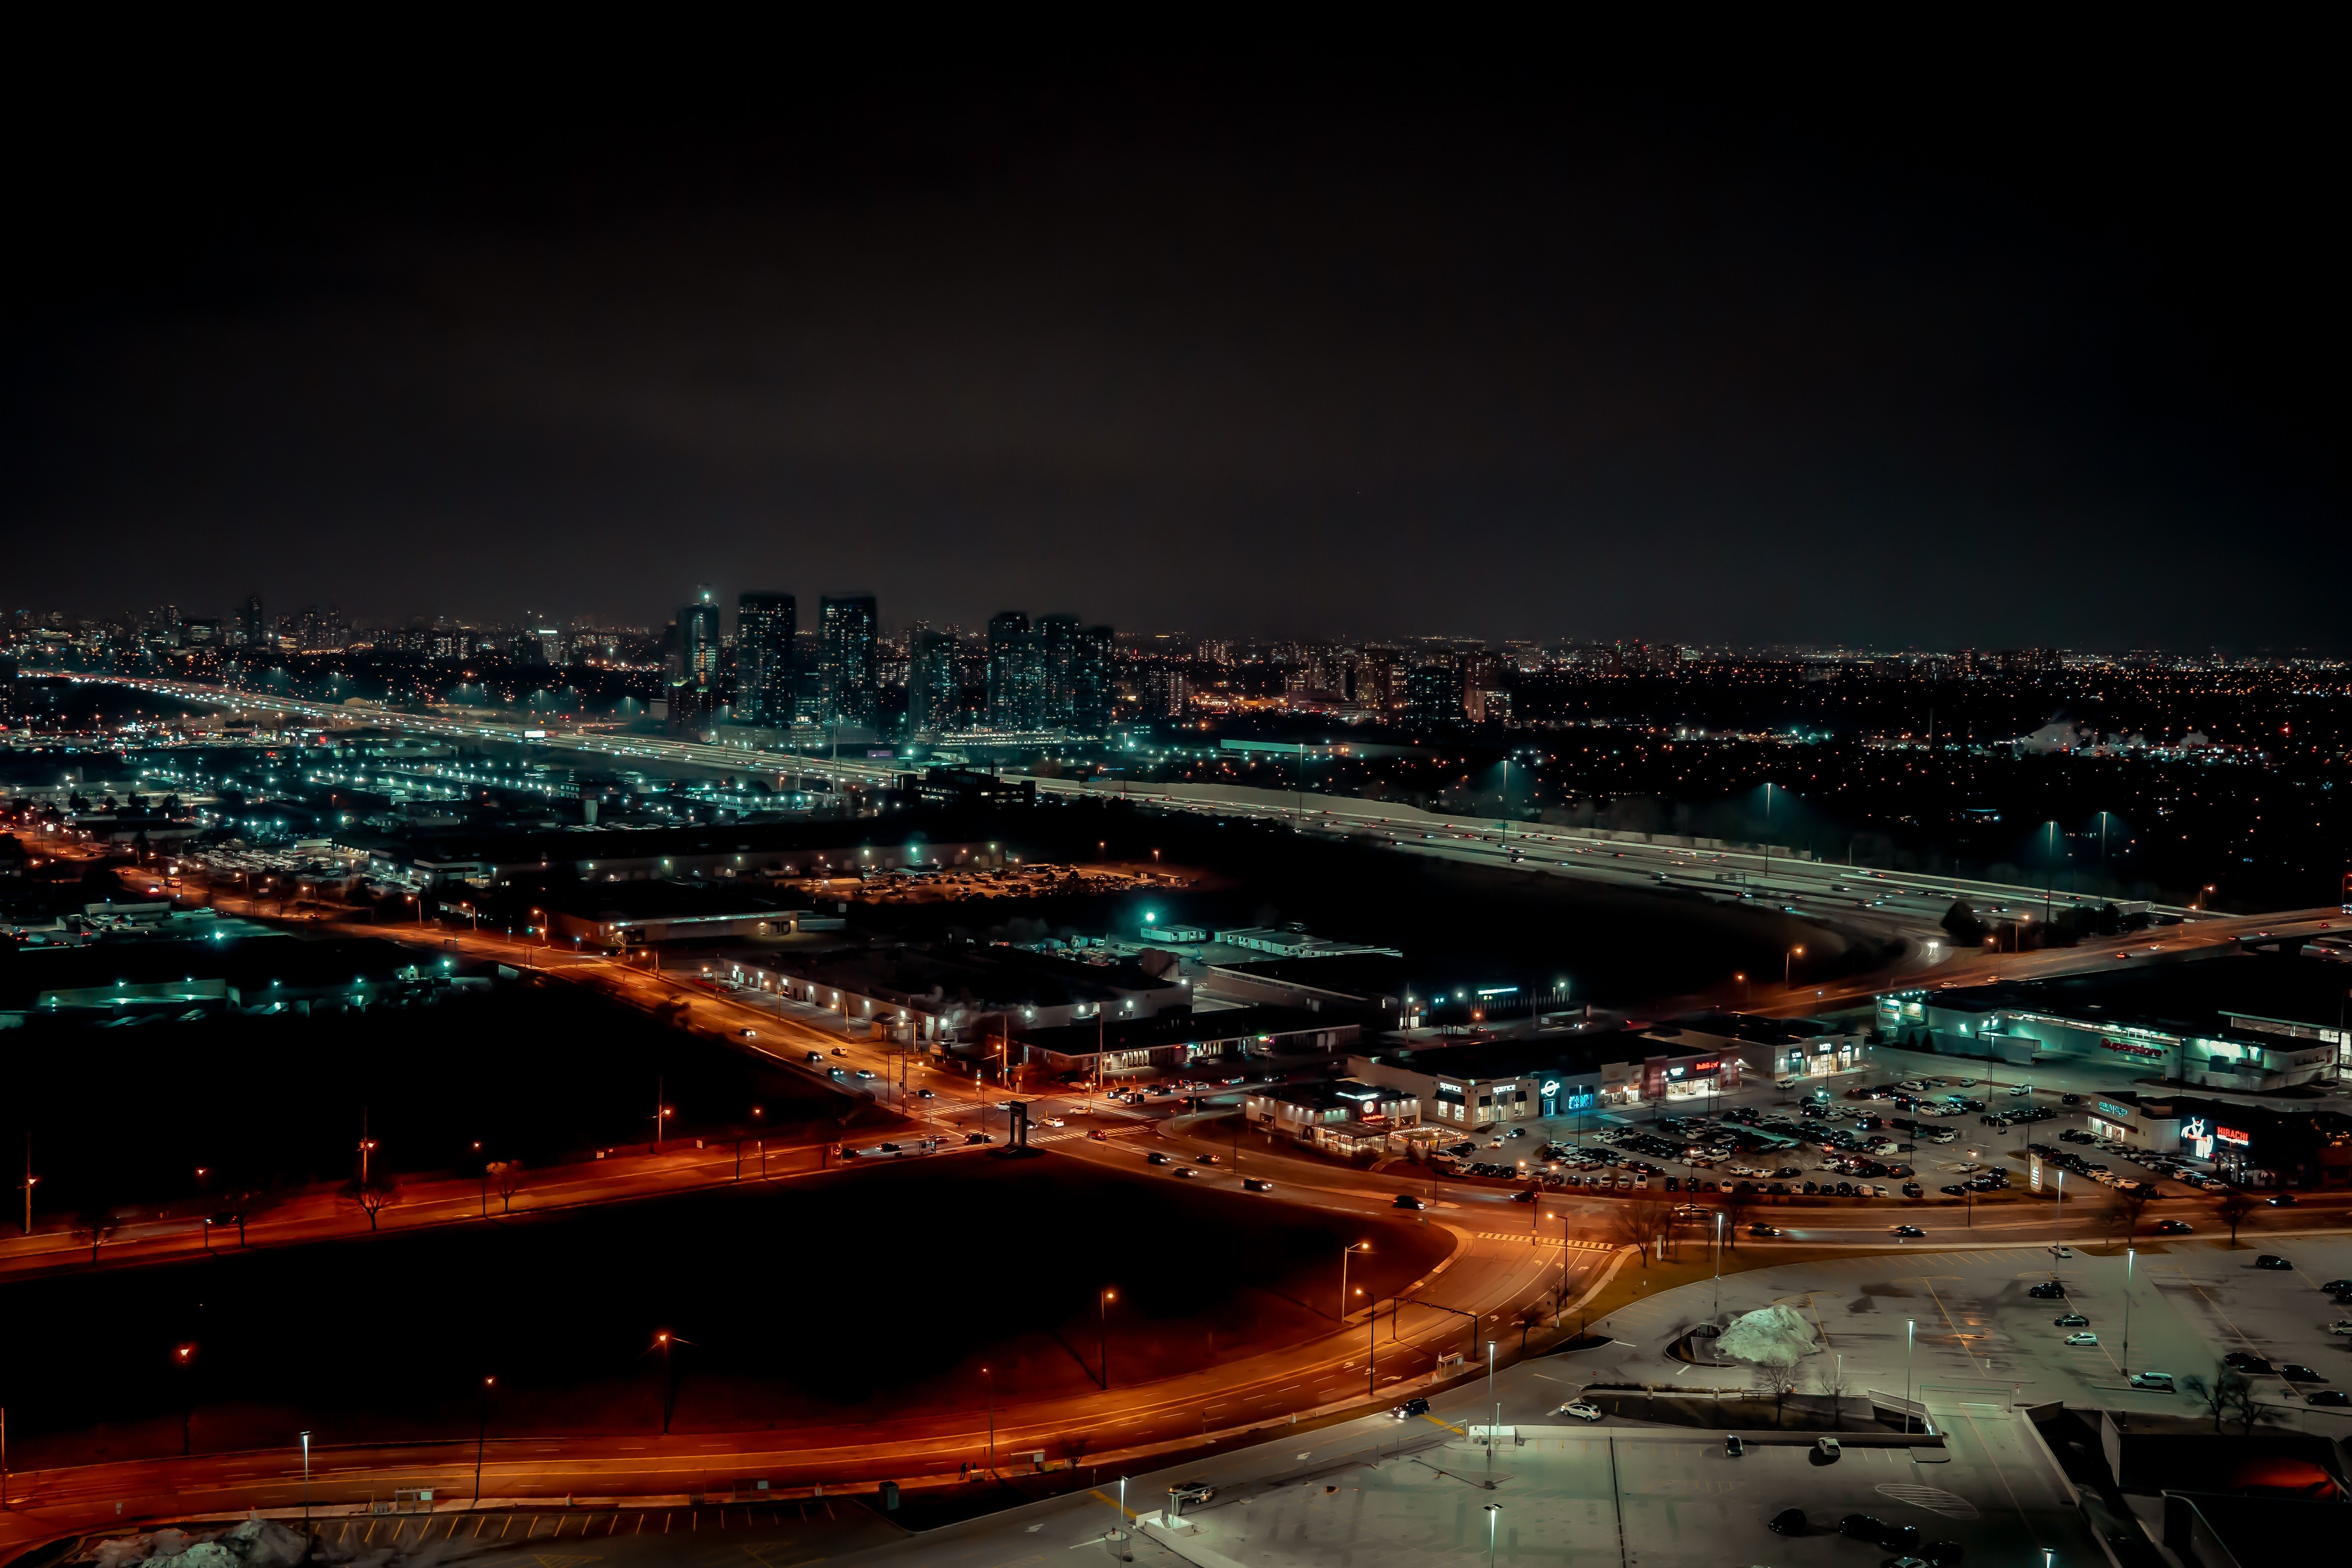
pixel 1551 1086
pixel 2128 1048
pixel 1705 1066
pixel 2119 1112
pixel 2033 1172
pixel 1674 1072
pixel 2231 1135
pixel 2197 1133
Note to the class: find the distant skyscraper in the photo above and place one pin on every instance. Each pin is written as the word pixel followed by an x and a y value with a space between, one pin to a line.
pixel 1057 640
pixel 1433 695
pixel 934 682
pixel 694 690
pixel 698 640
pixel 1015 679
pixel 253 623
pixel 764 673
pixel 849 631
pixel 1094 688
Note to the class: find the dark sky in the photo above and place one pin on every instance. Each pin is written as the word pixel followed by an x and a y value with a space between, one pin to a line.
pixel 1312 346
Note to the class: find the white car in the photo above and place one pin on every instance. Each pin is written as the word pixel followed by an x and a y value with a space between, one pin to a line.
pixel 2085 1337
pixel 2341 1325
pixel 1055 1121
pixel 1582 1409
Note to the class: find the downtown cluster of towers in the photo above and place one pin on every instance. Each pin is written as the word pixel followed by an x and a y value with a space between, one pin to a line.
pixel 1050 674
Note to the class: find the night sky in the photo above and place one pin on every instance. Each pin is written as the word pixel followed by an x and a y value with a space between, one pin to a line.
pixel 1303 347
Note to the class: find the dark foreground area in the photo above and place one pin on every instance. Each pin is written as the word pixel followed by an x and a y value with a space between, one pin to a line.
pixel 867 1295
pixel 188 1114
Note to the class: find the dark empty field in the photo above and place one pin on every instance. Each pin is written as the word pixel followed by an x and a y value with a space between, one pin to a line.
pixel 865 1296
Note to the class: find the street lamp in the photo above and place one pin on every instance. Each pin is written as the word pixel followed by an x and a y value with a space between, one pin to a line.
pixel 306 1478
pixel 1103 1298
pixel 184 1356
pixel 481 1437
pixel 1789 963
pixel 1910 1334
pixel 1344 1252
pixel 1494 1512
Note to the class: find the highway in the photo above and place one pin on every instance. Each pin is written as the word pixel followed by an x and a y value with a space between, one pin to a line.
pixel 1908 903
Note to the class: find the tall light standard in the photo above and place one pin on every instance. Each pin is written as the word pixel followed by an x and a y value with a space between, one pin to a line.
pixel 1103 1298
pixel 1910 1336
pixel 990 1379
pixel 1494 1512
pixel 481 1438
pixel 2131 1257
pixel 1494 1414
pixel 184 1356
pixel 1789 963
pixel 306 1478
pixel 1344 1252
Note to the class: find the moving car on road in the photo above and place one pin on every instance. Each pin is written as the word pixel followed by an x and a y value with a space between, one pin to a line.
pixel 1410 1408
pixel 1257 1184
pixel 2174 1227
pixel 2152 1382
pixel 2073 1321
pixel 2083 1337
pixel 1582 1409
pixel 1406 1200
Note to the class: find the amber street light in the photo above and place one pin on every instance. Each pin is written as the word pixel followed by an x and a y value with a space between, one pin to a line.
pixel 1788 964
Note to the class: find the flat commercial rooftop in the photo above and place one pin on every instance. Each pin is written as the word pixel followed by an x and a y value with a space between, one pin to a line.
pixel 2194 998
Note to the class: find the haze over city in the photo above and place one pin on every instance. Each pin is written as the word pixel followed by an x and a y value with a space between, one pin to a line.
pixel 929 804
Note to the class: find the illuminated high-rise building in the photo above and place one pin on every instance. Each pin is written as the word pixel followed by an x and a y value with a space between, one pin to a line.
pixel 764 662
pixel 848 632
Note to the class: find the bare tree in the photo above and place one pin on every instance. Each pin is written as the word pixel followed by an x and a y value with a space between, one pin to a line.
pixel 2236 1204
pixel 1779 1380
pixel 97 1222
pixel 1830 1377
pixel 2231 1396
pixel 1737 1207
pixel 373 1194
pixel 2125 1208
pixel 505 1175
pixel 1637 1220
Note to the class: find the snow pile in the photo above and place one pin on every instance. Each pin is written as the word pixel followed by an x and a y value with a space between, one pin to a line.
pixel 1768 1336
pixel 256 1543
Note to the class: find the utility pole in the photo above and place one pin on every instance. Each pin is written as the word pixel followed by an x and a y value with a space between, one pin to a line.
pixel 1494 1414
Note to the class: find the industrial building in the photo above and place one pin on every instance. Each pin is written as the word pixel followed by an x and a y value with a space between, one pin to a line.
pixel 1216 1041
pixel 959 997
pixel 1559 1074
pixel 2250 1023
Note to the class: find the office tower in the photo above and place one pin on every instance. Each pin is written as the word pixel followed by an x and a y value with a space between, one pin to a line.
pixel 253 624
pixel 1484 698
pixel 934 682
pixel 764 662
pixel 1093 680
pixel 1014 680
pixel 848 632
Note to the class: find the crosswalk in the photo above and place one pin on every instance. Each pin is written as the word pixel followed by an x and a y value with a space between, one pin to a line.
pixel 1065 1134
pixel 1572 1243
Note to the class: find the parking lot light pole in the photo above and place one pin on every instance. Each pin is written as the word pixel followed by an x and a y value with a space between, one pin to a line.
pixel 1910 1336
pixel 1494 1511
pixel 2131 1257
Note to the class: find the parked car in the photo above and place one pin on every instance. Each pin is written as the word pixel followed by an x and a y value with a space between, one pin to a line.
pixel 2152 1382
pixel 1829 1448
pixel 2050 1291
pixel 1732 1447
pixel 2336 1396
pixel 2073 1321
pixel 2083 1337
pixel 1859 1526
pixel 2272 1260
pixel 1788 1522
pixel 2248 1363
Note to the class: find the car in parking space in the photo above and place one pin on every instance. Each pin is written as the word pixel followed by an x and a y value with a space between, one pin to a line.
pixel 2248 1363
pixel 2174 1227
pixel 1829 1451
pixel 1582 1409
pixel 1406 1200
pixel 2328 1397
pixel 2337 1287
pixel 2048 1291
pixel 2152 1382
pixel 2272 1260
pixel 1945 1555
pixel 2085 1337
pixel 1954 1190
pixel 1788 1522
pixel 2341 1325
pixel 1733 1447
pixel 2073 1320
pixel 1859 1526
